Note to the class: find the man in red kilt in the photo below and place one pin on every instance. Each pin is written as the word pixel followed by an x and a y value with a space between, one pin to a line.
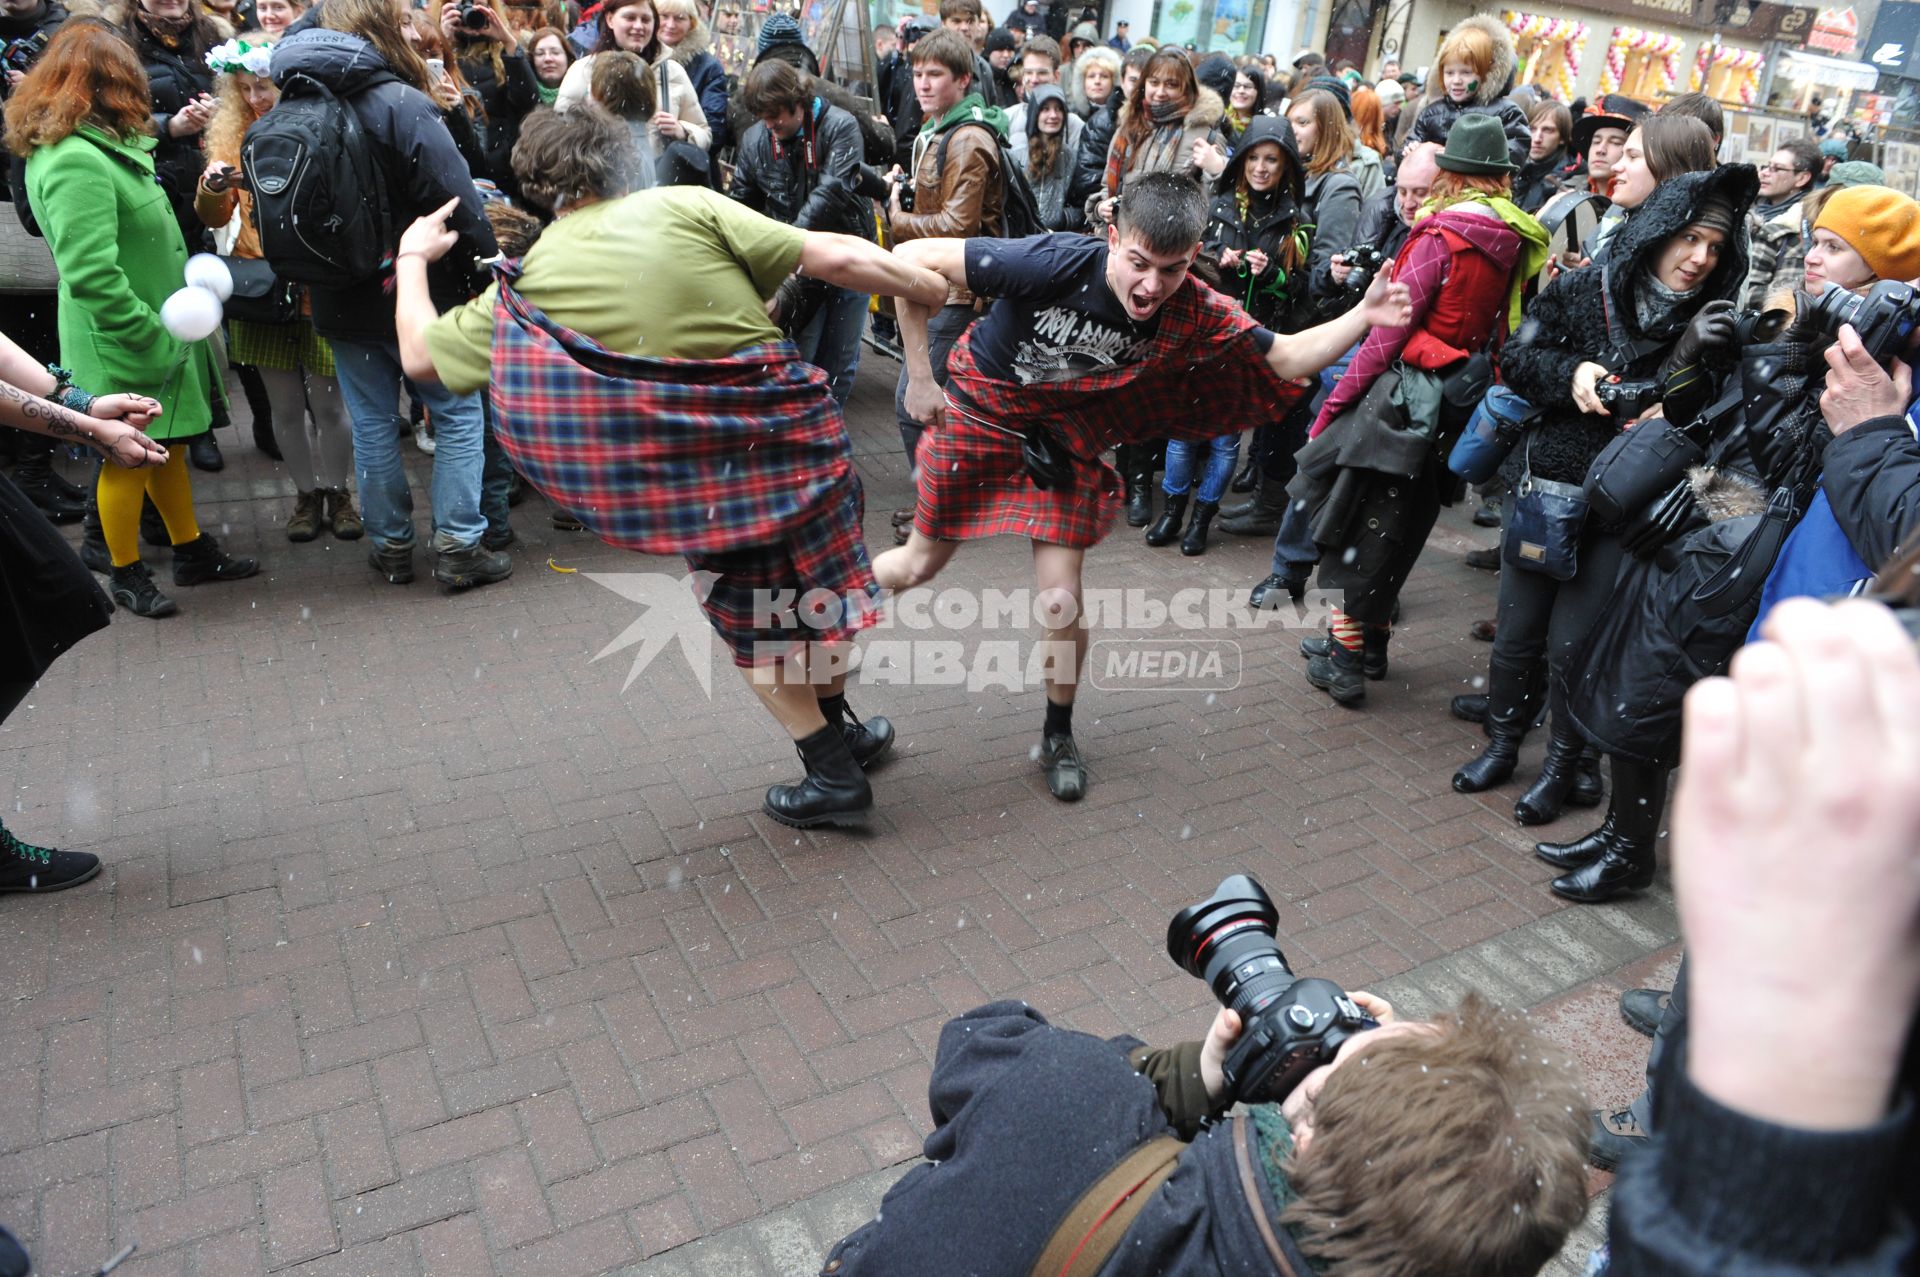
pixel 1090 342
pixel 636 378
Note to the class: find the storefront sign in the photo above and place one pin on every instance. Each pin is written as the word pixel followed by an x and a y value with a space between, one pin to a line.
pixel 1894 46
pixel 1835 31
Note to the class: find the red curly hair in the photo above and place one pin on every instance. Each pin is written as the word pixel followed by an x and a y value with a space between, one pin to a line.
pixel 89 74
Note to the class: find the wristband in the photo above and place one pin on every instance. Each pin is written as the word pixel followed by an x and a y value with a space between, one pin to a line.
pixel 62 381
pixel 75 399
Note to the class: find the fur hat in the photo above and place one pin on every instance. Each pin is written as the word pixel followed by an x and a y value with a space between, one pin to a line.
pixel 1880 224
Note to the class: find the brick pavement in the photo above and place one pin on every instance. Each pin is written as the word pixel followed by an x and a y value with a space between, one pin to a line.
pixel 421 948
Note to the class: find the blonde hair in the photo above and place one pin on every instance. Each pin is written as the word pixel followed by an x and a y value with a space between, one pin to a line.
pixel 231 120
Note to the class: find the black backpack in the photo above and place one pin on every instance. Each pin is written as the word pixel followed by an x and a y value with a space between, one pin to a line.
pixel 320 197
pixel 1019 210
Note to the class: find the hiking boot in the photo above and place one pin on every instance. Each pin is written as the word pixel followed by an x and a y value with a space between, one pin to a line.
pixel 1337 672
pixel 468 565
pixel 1066 770
pixel 1485 560
pixel 342 517
pixel 1194 543
pixel 308 509
pixel 395 562
pixel 1616 1136
pixel 835 791
pixel 133 589
pixel 1642 1009
pixel 25 867
pixel 202 559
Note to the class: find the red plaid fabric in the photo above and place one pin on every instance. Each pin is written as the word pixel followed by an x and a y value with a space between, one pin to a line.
pixel 974 484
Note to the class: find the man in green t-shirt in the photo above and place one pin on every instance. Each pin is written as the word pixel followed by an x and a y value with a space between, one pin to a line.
pixel 645 451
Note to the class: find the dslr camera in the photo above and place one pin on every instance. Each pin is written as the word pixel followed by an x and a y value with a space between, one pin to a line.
pixel 20 55
pixel 1627 399
pixel 1366 261
pixel 1288 1026
pixel 1887 318
pixel 469 18
pixel 904 184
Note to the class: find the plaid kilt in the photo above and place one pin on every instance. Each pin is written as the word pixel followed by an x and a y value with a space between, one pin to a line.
pixel 827 554
pixel 666 456
pixel 291 347
pixel 974 484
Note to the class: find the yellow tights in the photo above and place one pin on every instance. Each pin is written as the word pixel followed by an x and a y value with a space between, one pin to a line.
pixel 119 494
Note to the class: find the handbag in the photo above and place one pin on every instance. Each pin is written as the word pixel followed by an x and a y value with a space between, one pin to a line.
pixel 1544 525
pixel 1638 467
pixel 260 296
pixel 1496 425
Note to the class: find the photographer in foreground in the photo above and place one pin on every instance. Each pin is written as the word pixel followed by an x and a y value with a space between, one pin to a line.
pixel 1426 1149
pixel 1783 1151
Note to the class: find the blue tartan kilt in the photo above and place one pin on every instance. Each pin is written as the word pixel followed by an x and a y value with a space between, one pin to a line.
pixel 820 573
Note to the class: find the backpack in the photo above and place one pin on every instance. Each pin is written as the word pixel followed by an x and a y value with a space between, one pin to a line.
pixel 320 198
pixel 1019 210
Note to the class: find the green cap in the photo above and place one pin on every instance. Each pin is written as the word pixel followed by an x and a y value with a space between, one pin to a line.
pixel 1477 144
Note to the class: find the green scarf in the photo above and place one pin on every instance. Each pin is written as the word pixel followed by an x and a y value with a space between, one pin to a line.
pixel 968 109
pixel 547 96
pixel 1533 252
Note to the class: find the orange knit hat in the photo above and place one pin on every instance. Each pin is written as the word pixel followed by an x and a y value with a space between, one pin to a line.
pixel 1881 225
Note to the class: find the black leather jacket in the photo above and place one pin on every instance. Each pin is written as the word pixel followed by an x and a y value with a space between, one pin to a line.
pixel 812 186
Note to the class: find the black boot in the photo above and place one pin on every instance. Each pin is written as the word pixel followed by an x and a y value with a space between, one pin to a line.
pixel 153 528
pixel 1249 476
pixel 1259 517
pixel 1506 722
pixel 1587 791
pixel 1617 857
pixel 1167 526
pixel 1542 802
pixel 260 408
pixel 202 559
pixel 204 453
pixel 868 741
pixel 835 791
pixel 133 588
pixel 34 475
pixel 1373 651
pixel 1338 674
pixel 1267 594
pixel 93 543
pixel 1139 501
pixel 1470 707
pixel 25 867
pixel 1194 543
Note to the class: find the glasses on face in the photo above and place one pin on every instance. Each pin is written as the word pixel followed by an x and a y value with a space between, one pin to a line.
pixel 1771 167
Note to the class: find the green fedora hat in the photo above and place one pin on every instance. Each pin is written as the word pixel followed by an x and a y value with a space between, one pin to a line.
pixel 1477 144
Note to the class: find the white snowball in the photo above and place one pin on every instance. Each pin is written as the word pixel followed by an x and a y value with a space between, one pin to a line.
pixel 191 314
pixel 204 270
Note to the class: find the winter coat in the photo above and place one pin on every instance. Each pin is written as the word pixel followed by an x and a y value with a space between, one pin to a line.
pixel 1333 211
pixel 1090 164
pixel 1587 316
pixel 507 98
pixel 1779 250
pixel 1026 1118
pixel 1073 77
pixel 1381 226
pixel 1166 149
pixel 877 139
pixel 709 80
pixel 114 237
pixel 810 181
pixel 577 86
pixel 1050 188
pixel 966 195
pixel 176 76
pixel 1436 118
pixel 423 170
pixel 1536 182
pixel 1368 172
pixel 1278 299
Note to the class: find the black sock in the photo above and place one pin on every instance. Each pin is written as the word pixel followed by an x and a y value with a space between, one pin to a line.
pixel 834 708
pixel 1059 719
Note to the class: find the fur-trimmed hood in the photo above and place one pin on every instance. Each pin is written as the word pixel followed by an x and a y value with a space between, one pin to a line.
pixel 1204 115
pixel 1723 495
pixel 699 40
pixel 1076 90
pixel 1499 80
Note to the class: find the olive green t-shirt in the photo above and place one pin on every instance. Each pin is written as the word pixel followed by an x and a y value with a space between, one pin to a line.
pixel 678 272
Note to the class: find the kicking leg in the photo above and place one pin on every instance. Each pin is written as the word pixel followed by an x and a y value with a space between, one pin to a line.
pixel 835 790
pixel 915 563
pixel 1057 571
pixel 868 739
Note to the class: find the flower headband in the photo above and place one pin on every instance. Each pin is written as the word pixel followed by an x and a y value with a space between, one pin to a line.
pixel 238 55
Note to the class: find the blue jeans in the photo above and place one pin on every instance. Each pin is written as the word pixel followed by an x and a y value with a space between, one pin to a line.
pixel 1222 452
pixel 496 477
pixel 831 339
pixel 370 377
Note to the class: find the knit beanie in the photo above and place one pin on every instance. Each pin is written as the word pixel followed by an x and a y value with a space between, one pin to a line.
pixel 1715 213
pixel 1880 224
pixel 779 28
pixel 1000 38
pixel 1338 88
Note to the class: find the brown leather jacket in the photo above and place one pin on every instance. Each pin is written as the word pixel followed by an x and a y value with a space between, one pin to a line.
pixel 964 200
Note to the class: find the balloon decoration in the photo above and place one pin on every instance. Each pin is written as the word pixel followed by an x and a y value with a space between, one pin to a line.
pixel 1554 62
pixel 1744 66
pixel 192 313
pixel 1628 41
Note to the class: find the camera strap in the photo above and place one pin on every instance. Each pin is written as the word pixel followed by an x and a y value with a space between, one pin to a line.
pixel 1091 1232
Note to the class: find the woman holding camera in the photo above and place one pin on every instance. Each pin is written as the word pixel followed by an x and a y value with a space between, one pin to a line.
pixel 1589 360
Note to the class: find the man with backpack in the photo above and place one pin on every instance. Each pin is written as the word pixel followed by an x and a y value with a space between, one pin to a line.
pixel 353 153
pixel 800 164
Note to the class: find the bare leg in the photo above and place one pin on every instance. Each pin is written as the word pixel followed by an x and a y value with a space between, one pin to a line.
pixel 788 696
pixel 915 563
pixel 1056 570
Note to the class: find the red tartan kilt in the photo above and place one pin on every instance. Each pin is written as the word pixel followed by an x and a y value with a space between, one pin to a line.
pixel 973 484
pixel 828 553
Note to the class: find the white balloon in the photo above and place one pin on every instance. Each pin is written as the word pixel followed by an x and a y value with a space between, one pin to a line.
pixel 204 270
pixel 191 314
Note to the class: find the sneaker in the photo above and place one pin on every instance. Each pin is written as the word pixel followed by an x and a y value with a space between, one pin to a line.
pixel 1066 771
pixel 1643 1008
pixel 395 562
pixel 308 509
pixel 1616 1136
pixel 469 565
pixel 134 589
pixel 423 437
pixel 342 517
pixel 25 867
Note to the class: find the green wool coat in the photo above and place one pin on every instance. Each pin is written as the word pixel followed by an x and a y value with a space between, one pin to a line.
pixel 120 255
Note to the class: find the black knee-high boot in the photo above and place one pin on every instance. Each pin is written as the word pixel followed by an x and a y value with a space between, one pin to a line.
pixel 1618 857
pixel 1542 803
pixel 1507 715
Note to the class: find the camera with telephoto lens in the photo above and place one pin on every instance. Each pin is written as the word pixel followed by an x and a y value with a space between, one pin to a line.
pixel 1288 1026
pixel 1887 318
pixel 470 16
pixel 1365 261
pixel 20 55
pixel 1627 399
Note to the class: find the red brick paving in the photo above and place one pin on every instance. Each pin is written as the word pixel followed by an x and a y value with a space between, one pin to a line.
pixel 421 948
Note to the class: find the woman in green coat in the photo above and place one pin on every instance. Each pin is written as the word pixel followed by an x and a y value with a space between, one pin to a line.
pixel 81 119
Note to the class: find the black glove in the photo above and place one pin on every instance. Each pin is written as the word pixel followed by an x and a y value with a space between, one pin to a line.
pixel 1048 462
pixel 1714 328
pixel 1664 519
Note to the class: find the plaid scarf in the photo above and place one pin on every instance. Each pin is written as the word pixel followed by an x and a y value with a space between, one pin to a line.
pixel 665 456
pixel 1200 371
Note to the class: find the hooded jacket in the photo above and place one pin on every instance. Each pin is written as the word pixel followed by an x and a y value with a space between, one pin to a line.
pixel 1074 75
pixel 1050 188
pixel 1587 316
pixel 958 189
pixel 1090 165
pixel 809 181
pixel 1278 299
pixel 709 78
pixel 423 170
pixel 1436 118
pixel 1168 148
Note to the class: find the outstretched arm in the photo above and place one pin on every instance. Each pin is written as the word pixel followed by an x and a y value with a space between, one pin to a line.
pixel 424 242
pixel 852 263
pixel 1304 354
pixel 946 258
